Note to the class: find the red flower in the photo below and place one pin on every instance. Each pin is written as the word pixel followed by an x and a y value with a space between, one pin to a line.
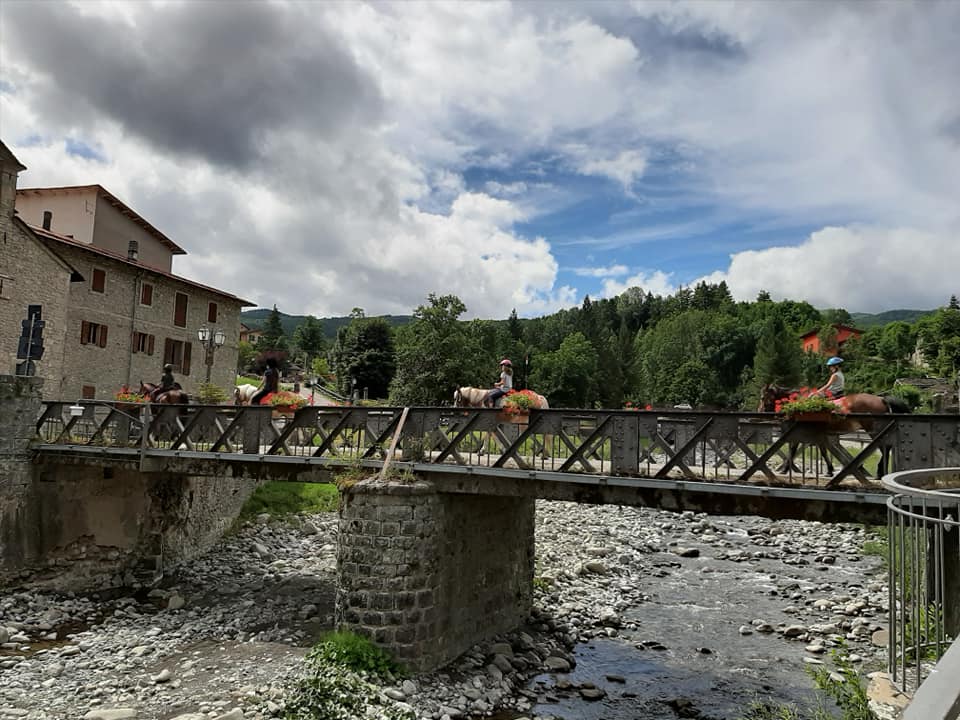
pixel 648 407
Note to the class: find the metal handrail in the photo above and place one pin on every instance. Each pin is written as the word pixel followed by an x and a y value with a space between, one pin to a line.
pixel 923 572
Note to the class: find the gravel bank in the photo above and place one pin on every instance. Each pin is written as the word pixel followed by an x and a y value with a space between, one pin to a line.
pixel 225 637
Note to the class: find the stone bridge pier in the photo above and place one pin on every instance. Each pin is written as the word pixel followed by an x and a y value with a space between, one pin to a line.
pixel 427 574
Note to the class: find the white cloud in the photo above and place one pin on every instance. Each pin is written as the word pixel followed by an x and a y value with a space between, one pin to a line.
pixel 851 267
pixel 602 272
pixel 349 170
pixel 655 282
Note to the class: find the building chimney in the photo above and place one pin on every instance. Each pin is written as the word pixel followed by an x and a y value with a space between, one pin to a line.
pixel 133 250
pixel 47 219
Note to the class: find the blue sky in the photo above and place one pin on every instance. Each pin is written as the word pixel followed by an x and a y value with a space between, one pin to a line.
pixel 325 156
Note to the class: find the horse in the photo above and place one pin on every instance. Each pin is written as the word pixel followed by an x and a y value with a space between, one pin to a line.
pixel 175 396
pixel 243 394
pixel 473 397
pixel 860 403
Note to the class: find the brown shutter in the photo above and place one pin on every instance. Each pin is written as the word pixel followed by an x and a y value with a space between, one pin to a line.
pixel 146 294
pixel 180 310
pixel 212 312
pixel 99 280
pixel 84 330
pixel 185 369
pixel 103 336
pixel 167 351
pixel 134 337
pixel 150 340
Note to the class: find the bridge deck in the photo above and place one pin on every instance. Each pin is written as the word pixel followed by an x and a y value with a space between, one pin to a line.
pixel 657 456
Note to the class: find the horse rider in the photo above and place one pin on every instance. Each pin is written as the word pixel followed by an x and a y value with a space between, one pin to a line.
pixel 833 388
pixel 270 382
pixel 502 386
pixel 167 383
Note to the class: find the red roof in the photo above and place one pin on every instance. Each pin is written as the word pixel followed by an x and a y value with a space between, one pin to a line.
pixel 836 326
pixel 52 236
pixel 124 209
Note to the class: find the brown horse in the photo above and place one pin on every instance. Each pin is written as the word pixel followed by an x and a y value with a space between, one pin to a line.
pixel 858 403
pixel 176 396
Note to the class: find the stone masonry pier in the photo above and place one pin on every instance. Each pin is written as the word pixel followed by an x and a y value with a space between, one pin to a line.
pixel 428 574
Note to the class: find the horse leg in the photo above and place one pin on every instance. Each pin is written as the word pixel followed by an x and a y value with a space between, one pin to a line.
pixel 789 465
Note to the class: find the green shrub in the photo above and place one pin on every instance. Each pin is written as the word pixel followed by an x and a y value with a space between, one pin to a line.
pixel 355 653
pixel 290 498
pixel 210 394
pixel 335 686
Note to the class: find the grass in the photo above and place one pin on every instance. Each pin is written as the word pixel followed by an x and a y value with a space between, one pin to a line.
pixel 290 498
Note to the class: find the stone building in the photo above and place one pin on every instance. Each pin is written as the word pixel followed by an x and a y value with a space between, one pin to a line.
pixel 30 274
pixel 129 314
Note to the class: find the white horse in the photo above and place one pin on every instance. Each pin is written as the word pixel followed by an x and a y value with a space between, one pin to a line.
pixel 244 394
pixel 474 397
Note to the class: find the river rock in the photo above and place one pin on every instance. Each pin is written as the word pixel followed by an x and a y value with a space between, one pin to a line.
pixel 111 714
pixel 557 664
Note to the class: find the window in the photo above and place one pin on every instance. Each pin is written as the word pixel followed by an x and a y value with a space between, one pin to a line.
pixel 212 312
pixel 88 392
pixel 142 343
pixel 47 219
pixel 6 286
pixel 180 310
pixel 146 294
pixel 93 334
pixel 99 281
pixel 177 353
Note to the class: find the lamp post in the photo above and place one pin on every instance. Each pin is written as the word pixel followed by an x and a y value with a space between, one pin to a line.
pixel 211 340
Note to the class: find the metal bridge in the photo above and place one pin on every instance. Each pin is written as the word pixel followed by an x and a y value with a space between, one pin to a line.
pixel 723 462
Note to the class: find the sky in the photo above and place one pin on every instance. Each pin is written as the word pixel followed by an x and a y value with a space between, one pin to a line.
pixel 323 156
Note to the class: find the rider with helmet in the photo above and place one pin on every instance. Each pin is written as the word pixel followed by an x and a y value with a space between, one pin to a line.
pixel 167 383
pixel 833 388
pixel 501 387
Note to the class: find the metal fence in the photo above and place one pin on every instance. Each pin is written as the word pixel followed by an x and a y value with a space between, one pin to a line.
pixel 713 447
pixel 924 571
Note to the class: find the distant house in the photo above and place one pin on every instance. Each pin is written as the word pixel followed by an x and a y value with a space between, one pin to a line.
pixel 115 311
pixel 250 335
pixel 810 340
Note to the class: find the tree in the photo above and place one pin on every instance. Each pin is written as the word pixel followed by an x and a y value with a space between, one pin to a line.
pixel 435 354
pixel 364 356
pixel 308 339
pixel 273 337
pixel 778 355
pixel 245 355
pixel 565 376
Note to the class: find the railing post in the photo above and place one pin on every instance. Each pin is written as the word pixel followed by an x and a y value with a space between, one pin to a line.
pixel 251 431
pixel 625 445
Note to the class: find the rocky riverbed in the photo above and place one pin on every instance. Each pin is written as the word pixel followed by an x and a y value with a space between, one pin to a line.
pixel 639 614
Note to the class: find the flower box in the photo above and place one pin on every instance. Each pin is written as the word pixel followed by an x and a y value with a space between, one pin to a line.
pixel 821 416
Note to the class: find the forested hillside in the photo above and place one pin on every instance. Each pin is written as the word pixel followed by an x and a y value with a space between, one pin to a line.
pixel 697 346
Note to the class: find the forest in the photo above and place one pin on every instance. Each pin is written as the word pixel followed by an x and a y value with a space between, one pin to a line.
pixel 697 347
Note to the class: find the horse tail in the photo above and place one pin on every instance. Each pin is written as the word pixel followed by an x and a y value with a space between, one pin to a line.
pixel 895 404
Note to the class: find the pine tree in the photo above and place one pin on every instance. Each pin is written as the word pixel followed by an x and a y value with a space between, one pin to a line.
pixel 273 337
pixel 778 354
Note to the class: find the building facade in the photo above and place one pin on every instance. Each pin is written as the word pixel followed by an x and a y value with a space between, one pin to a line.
pixel 30 274
pixel 812 342
pixel 125 314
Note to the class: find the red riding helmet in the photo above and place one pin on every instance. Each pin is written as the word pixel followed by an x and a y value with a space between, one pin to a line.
pixel 506 362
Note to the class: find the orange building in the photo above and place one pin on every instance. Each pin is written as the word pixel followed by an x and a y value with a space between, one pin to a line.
pixel 810 340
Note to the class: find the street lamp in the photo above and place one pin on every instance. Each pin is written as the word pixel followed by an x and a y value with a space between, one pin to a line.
pixel 211 340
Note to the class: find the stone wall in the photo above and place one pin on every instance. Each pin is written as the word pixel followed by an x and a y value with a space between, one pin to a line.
pixel 427 574
pixel 19 403
pixel 76 527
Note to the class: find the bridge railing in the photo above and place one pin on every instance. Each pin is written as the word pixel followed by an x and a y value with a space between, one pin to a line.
pixel 717 446
pixel 924 574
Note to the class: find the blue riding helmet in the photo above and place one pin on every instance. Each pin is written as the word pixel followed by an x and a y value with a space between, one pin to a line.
pixel 834 361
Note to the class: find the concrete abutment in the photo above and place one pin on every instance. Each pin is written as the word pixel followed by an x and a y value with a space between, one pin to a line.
pixel 75 526
pixel 428 574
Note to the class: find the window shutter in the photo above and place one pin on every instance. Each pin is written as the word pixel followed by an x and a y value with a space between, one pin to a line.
pixel 167 351
pixel 150 339
pixel 180 310
pixel 103 336
pixel 212 312
pixel 84 330
pixel 146 294
pixel 186 359
pixel 99 280
pixel 134 337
